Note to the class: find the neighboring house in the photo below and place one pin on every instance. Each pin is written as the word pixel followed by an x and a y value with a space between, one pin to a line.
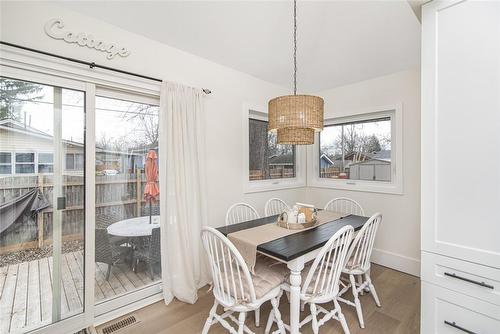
pixel 326 162
pixel 25 150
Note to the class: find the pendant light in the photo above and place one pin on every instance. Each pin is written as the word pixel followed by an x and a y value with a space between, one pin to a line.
pixel 296 118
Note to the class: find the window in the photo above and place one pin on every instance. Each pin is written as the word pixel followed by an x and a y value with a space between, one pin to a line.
pixel 5 163
pixel 25 163
pixel 74 161
pixel 45 163
pixel 267 159
pixel 268 165
pixel 359 150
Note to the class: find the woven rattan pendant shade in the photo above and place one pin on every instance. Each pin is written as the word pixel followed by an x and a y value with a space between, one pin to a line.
pixel 296 118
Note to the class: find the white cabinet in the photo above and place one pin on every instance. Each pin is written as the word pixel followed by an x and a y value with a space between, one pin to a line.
pixel 461 130
pixel 460 192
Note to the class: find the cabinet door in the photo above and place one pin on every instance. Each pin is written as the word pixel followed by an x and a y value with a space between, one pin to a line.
pixel 448 312
pixel 461 130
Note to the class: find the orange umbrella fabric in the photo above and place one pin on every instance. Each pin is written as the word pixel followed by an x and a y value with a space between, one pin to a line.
pixel 151 191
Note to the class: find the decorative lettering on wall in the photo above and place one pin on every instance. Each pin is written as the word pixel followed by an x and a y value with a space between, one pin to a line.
pixel 55 29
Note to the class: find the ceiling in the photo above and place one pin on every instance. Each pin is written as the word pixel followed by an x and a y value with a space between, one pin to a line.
pixel 339 42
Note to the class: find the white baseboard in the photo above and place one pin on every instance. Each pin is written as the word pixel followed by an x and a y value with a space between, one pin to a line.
pixel 396 261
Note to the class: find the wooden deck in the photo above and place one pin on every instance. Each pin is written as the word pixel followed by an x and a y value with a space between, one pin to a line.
pixel 26 289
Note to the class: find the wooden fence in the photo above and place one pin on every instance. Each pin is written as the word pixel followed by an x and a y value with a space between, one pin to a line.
pixel 329 172
pixel 122 193
pixel 274 173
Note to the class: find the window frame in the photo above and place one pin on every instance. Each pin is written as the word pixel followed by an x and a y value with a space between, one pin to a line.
pixel 11 163
pixel 260 113
pixel 34 163
pixel 395 186
pixel 38 163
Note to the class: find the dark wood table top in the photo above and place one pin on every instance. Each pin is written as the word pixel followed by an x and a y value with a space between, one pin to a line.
pixel 292 246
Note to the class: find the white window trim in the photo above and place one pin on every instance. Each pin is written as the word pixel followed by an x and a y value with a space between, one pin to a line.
pixel 260 112
pixel 74 154
pixel 396 184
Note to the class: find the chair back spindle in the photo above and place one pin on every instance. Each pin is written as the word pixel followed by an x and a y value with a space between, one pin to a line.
pixel 232 282
pixel 361 249
pixel 345 205
pixel 275 206
pixel 322 281
pixel 241 212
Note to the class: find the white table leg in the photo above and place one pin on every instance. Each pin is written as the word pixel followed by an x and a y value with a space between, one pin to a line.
pixel 295 267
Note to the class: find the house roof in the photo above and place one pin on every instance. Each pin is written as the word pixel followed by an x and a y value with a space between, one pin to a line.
pixel 383 155
pixel 326 158
pixel 13 124
pixel 16 126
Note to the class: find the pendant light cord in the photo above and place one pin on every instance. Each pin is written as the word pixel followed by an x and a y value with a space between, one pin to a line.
pixel 294 47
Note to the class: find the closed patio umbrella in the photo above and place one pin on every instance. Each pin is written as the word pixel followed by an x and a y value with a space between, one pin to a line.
pixel 151 191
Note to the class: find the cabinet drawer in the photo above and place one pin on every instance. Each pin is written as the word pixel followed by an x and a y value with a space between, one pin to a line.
pixel 465 277
pixel 448 312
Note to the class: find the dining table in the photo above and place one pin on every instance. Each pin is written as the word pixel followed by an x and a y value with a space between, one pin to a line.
pixel 295 250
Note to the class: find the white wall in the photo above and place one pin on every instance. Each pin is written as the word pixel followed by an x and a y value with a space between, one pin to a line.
pixel 398 240
pixel 22 23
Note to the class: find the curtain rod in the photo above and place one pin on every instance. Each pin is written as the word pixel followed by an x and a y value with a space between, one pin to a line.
pixel 89 64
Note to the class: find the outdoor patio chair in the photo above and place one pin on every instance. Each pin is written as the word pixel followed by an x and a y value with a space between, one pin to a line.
pixel 108 252
pixel 149 252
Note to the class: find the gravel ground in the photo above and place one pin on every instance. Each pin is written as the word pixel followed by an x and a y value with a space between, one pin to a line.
pixel 37 253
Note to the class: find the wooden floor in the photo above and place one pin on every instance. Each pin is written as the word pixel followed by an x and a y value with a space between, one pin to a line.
pixel 400 312
pixel 26 289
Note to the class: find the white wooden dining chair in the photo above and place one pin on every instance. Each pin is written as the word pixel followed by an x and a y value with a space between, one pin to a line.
pixel 358 264
pixel 240 212
pixel 345 205
pixel 321 283
pixel 234 288
pixel 275 206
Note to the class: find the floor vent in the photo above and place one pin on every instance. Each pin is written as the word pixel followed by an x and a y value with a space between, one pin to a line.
pixel 119 325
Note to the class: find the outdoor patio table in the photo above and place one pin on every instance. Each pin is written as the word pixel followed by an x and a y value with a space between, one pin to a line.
pixel 134 227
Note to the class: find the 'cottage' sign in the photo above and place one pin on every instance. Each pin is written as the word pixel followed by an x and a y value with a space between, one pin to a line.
pixel 55 29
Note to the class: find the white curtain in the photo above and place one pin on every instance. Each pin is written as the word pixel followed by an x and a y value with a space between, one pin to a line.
pixel 182 179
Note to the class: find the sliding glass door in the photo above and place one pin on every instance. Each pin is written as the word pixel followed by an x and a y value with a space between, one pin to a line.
pixel 79 201
pixel 127 216
pixel 42 204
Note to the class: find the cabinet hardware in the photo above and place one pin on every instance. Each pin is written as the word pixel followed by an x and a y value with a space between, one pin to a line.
pixel 484 285
pixel 454 325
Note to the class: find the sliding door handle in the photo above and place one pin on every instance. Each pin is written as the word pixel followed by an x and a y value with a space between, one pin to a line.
pixel 454 325
pixel 61 203
pixel 484 285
